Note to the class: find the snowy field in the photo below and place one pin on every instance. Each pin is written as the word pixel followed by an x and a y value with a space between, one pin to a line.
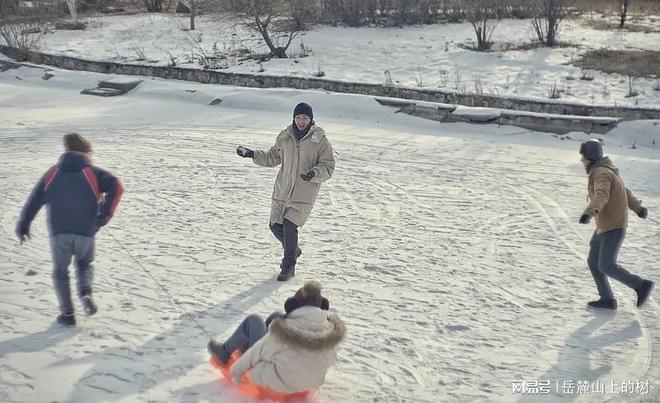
pixel 426 56
pixel 452 251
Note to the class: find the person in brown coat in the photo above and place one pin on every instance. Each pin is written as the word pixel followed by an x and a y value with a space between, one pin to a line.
pixel 609 204
pixel 306 160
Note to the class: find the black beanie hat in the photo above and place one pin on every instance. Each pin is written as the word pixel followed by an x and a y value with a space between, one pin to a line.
pixel 303 109
pixel 592 150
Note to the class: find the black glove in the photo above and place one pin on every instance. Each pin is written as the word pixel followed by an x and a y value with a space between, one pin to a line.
pixel 308 176
pixel 585 219
pixel 100 222
pixel 244 152
pixel 22 232
pixel 643 213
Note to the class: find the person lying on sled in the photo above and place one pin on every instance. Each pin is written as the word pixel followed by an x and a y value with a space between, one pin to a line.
pixel 288 352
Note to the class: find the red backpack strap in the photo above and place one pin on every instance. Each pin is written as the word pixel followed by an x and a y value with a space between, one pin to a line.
pixel 93 182
pixel 50 175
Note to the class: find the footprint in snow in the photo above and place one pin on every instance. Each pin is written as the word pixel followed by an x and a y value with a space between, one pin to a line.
pixel 456 328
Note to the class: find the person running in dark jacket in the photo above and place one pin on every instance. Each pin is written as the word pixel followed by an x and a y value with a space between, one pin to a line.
pixel 81 198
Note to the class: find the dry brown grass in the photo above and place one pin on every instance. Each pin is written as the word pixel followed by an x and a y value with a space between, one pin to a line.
pixel 634 63
pixel 646 7
pixel 631 26
pixel 507 46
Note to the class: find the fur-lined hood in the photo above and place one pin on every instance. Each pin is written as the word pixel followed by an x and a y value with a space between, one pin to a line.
pixel 309 328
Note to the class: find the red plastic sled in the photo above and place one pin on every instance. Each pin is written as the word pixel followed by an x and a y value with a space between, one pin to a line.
pixel 251 390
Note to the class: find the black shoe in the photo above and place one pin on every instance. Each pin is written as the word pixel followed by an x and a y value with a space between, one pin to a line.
pixel 88 305
pixel 644 292
pixel 218 351
pixel 66 320
pixel 603 304
pixel 287 273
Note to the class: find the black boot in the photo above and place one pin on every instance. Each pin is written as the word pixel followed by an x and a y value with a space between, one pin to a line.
pixel 644 292
pixel 66 320
pixel 603 304
pixel 287 273
pixel 218 351
pixel 88 305
pixel 298 253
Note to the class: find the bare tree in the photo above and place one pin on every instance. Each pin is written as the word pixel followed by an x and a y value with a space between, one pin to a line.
pixel 482 14
pixel 624 12
pixel 302 12
pixel 546 17
pixel 8 7
pixel 20 28
pixel 264 13
pixel 71 4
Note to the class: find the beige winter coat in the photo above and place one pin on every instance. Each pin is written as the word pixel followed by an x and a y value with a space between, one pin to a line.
pixel 609 197
pixel 293 198
pixel 296 352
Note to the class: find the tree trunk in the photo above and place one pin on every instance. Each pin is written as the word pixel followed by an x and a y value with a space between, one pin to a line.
pixel 278 52
pixel 553 24
pixel 624 12
pixel 192 15
pixel 72 9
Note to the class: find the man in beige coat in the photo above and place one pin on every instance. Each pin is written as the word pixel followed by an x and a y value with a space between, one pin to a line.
pixel 306 160
pixel 609 204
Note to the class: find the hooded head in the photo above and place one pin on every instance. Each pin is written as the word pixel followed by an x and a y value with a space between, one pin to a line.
pixel 303 109
pixel 76 142
pixel 591 150
pixel 308 295
pixel 303 118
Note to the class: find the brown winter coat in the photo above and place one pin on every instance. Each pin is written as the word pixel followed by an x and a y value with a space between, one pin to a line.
pixel 293 198
pixel 609 197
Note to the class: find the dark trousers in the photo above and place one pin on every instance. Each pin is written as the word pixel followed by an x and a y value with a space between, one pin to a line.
pixel 603 252
pixel 250 331
pixel 287 234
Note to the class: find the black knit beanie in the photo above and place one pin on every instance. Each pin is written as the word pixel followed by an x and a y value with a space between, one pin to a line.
pixel 303 109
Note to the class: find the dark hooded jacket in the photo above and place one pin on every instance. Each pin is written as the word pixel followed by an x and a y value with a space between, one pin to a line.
pixel 79 197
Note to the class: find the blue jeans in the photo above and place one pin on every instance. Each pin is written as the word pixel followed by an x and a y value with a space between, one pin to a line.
pixel 250 331
pixel 603 252
pixel 64 247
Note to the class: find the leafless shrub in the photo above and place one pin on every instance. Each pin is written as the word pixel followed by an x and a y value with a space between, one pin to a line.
pixel 586 74
pixel 264 14
pixel 482 15
pixel 546 18
pixel 139 53
pixel 554 92
pixel 388 78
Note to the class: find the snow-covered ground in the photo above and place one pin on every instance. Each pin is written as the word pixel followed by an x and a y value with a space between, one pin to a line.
pixel 452 251
pixel 429 56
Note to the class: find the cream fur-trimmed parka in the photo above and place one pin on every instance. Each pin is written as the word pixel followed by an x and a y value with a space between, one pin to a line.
pixel 296 352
